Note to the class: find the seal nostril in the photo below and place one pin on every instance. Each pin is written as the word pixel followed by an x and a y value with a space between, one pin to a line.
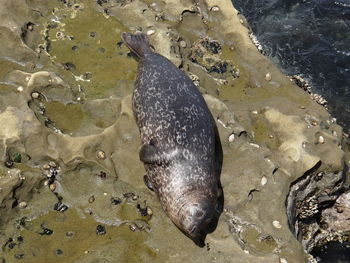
pixel 193 230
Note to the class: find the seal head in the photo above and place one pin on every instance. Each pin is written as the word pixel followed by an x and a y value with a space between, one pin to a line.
pixel 196 219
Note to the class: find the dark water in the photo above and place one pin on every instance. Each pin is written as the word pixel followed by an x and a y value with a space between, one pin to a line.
pixel 310 38
pixel 333 252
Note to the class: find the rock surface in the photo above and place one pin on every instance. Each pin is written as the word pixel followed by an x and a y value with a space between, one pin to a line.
pixel 66 82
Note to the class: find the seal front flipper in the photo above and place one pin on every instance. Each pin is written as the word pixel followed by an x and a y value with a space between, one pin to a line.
pixel 148 182
pixel 150 154
pixel 220 199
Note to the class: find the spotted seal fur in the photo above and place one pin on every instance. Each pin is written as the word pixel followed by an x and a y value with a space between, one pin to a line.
pixel 181 149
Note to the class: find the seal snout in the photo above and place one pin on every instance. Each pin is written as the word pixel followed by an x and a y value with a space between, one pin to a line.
pixel 195 219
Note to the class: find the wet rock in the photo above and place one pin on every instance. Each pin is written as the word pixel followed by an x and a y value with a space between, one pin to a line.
pixel 45 231
pixel 58 252
pixel 100 230
pixel 91 199
pixel 60 207
pixel 115 200
pixel 17 157
pixel 9 163
pixel 19 256
pixel 142 211
pixel 101 155
pixel 11 245
pixel 69 234
pixel 22 205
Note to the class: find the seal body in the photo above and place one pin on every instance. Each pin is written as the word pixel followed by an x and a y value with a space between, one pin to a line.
pixel 180 149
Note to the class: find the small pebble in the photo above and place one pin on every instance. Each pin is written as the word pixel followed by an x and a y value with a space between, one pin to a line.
pixel 313 123
pixel 20 89
pixel 101 50
pixel 22 205
pixel 46 166
pixel 271 136
pixel 91 199
pixel 52 173
pixel 17 157
pixel 339 209
pixel 52 187
pixel 149 211
pixel 183 44
pixel 59 34
pixel 276 224
pixel 303 144
pixel 93 34
pixel 59 252
pixel 231 138
pixel 100 230
pixel 150 32
pixel 101 155
pixel 69 234
pixel 302 107
pixel 142 211
pixel 283 260
pixel 263 180
pixel 115 201
pixel 254 145
pixel 102 175
pixel 268 77
pixel 52 164
pixel 46 231
pixel 35 95
pixel 334 133
pixel 215 8
pixel 9 163
pixel 321 139
pixel 255 112
pixel 60 207
pixel 19 256
pixel 133 227
pixel 11 245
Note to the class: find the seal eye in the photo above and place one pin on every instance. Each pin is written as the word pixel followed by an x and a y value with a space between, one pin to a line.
pixel 199 214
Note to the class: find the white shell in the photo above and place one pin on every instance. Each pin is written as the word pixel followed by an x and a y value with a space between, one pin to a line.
pixel 268 76
pixel 22 205
pixel 231 138
pixel 321 139
pixel 276 224
pixel 150 32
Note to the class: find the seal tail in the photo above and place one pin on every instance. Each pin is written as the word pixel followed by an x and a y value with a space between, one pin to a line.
pixel 137 43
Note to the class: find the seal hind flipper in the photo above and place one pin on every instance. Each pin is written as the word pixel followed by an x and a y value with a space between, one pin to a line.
pixel 137 43
pixel 220 199
pixel 148 182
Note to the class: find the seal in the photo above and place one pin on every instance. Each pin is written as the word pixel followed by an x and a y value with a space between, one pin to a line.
pixel 181 149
